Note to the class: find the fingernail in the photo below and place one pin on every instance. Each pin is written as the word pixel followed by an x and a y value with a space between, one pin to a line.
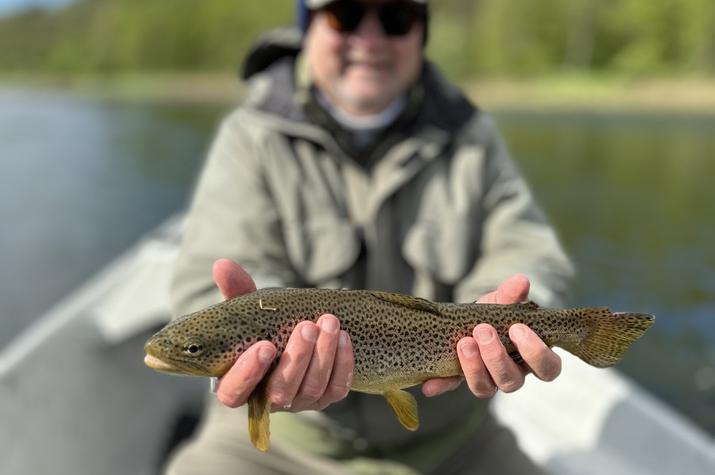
pixel 329 325
pixel 265 354
pixel 344 339
pixel 517 331
pixel 484 334
pixel 469 349
pixel 309 332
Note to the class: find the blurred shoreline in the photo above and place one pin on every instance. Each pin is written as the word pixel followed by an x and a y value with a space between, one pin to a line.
pixel 667 96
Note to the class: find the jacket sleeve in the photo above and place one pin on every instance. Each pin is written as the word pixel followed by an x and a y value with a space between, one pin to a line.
pixel 515 236
pixel 232 215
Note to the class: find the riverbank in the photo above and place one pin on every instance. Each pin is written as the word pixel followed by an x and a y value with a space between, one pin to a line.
pixel 687 96
pixel 691 96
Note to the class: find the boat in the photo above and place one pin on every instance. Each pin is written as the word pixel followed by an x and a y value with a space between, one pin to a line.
pixel 76 398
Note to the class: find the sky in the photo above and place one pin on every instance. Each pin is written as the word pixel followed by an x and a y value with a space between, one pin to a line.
pixel 10 6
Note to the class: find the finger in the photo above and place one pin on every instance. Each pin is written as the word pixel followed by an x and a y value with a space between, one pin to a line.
pixel 318 373
pixel 436 386
pixel 231 279
pixel 515 289
pixel 544 363
pixel 285 380
pixel 504 372
pixel 238 383
pixel 475 371
pixel 341 377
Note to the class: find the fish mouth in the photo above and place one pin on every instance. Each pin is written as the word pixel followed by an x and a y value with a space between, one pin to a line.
pixel 157 360
pixel 160 365
pixel 180 367
pixel 154 361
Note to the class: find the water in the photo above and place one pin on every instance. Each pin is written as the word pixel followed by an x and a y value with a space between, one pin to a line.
pixel 82 179
pixel 632 198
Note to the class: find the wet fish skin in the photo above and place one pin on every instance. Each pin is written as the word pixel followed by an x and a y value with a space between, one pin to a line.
pixel 398 340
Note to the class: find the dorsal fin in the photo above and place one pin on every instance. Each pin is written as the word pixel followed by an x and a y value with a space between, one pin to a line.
pixel 412 303
pixel 528 305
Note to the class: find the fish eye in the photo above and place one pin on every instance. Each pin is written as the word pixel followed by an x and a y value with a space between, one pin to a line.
pixel 193 348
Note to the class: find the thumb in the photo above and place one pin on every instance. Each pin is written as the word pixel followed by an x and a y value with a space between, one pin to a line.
pixel 514 289
pixel 231 279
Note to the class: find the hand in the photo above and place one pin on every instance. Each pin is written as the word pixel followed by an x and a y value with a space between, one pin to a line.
pixel 486 365
pixel 314 371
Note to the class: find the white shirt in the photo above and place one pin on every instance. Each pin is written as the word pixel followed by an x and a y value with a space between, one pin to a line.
pixel 364 128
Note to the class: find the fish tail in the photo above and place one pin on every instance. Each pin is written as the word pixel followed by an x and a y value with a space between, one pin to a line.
pixel 607 335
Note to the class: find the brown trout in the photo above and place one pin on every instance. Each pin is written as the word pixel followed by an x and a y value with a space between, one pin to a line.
pixel 398 340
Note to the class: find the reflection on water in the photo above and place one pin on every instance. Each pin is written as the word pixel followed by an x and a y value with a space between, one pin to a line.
pixel 632 199
pixel 83 179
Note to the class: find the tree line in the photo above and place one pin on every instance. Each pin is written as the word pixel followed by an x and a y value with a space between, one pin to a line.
pixel 469 38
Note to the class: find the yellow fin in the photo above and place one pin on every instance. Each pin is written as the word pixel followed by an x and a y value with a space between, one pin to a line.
pixel 405 407
pixel 413 303
pixel 259 424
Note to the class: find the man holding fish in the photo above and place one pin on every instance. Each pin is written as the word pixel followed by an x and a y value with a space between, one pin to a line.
pixel 354 164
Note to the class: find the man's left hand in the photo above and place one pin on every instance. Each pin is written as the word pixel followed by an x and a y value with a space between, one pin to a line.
pixel 486 365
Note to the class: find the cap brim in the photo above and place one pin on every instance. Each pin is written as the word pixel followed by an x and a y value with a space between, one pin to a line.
pixel 313 4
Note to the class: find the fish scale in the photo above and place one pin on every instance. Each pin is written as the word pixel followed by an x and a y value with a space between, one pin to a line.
pixel 398 340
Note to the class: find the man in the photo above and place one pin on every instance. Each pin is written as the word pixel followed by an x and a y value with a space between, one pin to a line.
pixel 353 163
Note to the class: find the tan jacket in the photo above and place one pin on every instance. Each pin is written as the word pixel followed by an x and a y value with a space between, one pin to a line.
pixel 437 209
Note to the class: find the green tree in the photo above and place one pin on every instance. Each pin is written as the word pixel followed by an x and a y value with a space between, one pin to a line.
pixel 468 37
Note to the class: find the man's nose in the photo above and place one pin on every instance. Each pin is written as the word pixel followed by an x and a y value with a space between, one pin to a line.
pixel 370 29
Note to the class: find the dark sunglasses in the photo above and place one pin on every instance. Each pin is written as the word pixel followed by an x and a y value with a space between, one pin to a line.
pixel 396 18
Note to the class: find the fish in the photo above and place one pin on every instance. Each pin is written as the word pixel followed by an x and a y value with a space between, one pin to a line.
pixel 398 340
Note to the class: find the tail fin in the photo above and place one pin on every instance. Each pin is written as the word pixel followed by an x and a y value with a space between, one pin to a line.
pixel 609 335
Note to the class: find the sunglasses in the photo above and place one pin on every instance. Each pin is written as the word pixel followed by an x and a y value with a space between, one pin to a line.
pixel 396 18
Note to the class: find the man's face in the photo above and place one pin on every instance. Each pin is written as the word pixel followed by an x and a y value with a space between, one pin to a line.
pixel 362 71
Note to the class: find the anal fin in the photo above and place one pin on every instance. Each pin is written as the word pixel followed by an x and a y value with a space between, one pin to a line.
pixel 405 407
pixel 259 424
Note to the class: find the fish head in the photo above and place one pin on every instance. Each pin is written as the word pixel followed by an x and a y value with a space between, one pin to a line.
pixel 205 343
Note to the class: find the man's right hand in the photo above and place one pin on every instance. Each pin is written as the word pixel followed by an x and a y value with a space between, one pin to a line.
pixel 314 371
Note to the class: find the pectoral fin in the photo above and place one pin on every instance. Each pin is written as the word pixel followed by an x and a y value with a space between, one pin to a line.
pixel 259 429
pixel 405 407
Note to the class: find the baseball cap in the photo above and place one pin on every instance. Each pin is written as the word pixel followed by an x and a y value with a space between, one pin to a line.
pixel 313 4
pixel 304 7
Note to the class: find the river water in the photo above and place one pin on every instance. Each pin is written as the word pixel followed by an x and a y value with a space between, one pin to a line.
pixel 631 195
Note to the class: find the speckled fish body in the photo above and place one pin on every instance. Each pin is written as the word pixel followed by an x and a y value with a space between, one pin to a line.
pixel 398 340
